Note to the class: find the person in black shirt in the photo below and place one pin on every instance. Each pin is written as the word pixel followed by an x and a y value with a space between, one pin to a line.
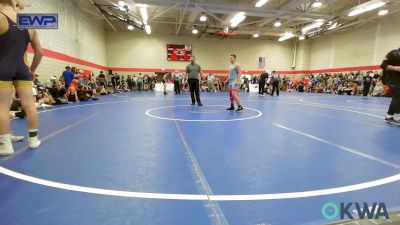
pixel 301 87
pixel 129 82
pixel 261 83
pixel 117 80
pixel 391 77
pixel 367 84
pixel 113 81
pixel 59 93
pixel 101 80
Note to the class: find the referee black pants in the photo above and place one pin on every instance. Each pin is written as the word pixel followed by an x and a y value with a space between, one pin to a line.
pixel 275 86
pixel 394 107
pixel 194 86
pixel 177 87
pixel 261 88
pixel 366 89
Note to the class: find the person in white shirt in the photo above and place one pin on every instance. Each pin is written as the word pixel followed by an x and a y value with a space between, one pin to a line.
pixel 378 89
pixel 177 82
pixel 210 82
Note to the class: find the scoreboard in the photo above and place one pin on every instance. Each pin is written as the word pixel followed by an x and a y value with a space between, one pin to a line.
pixel 179 52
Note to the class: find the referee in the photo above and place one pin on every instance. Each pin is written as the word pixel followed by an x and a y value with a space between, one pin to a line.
pixel 193 73
pixel 261 83
pixel 391 77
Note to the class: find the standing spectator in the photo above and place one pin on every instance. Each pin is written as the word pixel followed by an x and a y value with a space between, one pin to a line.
pixel 101 80
pixel 129 82
pixel 117 80
pixel 134 81
pixel 261 83
pixel 67 76
pixel 177 83
pixel 146 82
pixel 166 79
pixel 210 82
pixel 367 85
pixel 113 84
pixel 123 83
pixel 275 79
pixel 140 82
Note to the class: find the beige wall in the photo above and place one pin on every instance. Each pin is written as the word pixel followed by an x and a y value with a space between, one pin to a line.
pixel 135 50
pixel 77 36
pixel 362 46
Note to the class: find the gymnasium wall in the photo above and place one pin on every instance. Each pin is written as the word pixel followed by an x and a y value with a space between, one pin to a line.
pixel 366 45
pixel 79 39
pixel 135 50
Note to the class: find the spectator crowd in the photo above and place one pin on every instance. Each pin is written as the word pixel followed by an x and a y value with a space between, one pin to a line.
pixel 76 85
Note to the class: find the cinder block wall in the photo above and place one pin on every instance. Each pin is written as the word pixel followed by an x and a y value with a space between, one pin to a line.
pixel 79 35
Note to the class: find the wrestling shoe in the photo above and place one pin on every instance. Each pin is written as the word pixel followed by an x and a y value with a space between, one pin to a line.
pixel 240 108
pixel 20 114
pixel 6 147
pixel 395 122
pixel 16 138
pixel 34 142
pixel 389 119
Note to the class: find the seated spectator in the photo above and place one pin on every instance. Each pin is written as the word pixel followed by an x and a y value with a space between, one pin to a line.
pixel 46 98
pixel 16 109
pixel 59 93
pixel 50 83
pixel 72 94
pixel 37 83
pixel 92 85
pixel 72 91
pixel 378 89
pixel 84 93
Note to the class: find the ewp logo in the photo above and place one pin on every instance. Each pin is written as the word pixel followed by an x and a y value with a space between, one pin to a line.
pixel 331 211
pixel 37 21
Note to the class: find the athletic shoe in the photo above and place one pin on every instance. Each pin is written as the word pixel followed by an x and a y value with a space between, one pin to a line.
pixel 16 138
pixel 6 148
pixel 240 108
pixel 165 93
pixel 193 103
pixel 199 104
pixel 395 122
pixel 44 106
pixel 21 114
pixel 231 108
pixel 34 142
pixel 389 119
